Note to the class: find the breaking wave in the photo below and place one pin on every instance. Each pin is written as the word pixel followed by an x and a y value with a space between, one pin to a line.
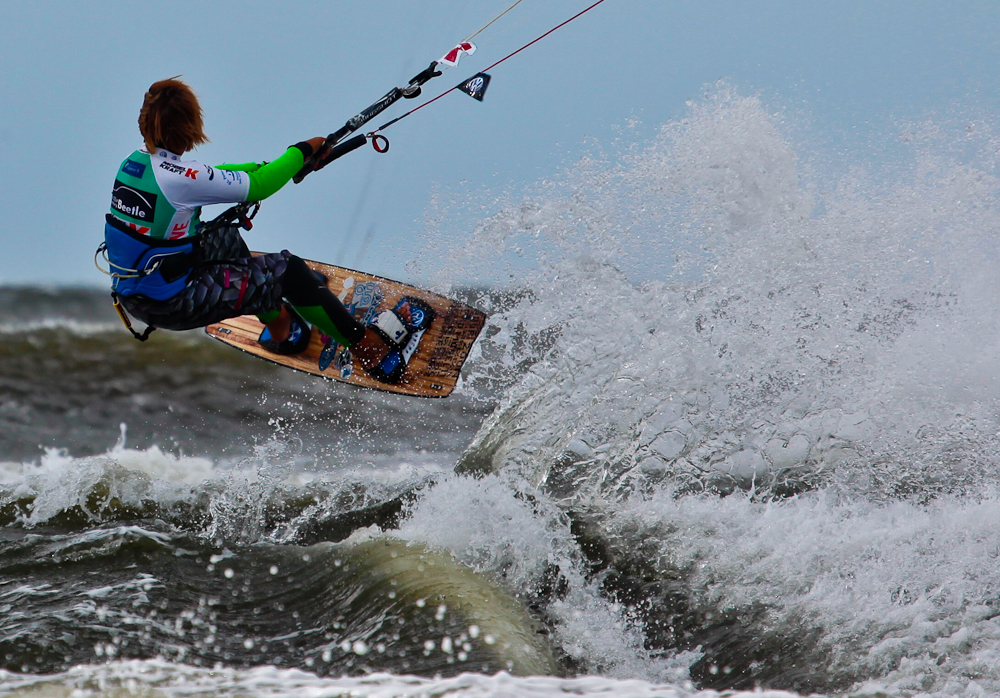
pixel 733 423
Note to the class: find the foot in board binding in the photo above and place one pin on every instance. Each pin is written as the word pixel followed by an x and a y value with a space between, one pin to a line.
pixel 299 335
pixel 391 339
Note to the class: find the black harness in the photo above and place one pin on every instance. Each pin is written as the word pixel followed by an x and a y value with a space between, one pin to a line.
pixel 156 257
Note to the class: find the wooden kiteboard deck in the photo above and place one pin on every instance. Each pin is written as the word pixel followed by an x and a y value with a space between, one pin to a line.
pixel 435 357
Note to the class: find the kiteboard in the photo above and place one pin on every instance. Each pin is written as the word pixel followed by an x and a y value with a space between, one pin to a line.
pixel 443 332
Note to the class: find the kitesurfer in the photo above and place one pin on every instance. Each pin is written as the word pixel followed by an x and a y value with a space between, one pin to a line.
pixel 172 271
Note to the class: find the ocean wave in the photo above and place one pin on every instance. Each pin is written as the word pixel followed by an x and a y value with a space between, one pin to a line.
pixel 99 513
pixel 270 489
pixel 139 592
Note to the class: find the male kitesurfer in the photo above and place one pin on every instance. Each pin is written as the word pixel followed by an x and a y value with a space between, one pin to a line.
pixel 174 272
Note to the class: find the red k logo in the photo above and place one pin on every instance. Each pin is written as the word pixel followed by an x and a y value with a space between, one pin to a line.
pixel 193 174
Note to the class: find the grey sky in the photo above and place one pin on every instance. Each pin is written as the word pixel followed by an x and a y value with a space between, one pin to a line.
pixel 271 73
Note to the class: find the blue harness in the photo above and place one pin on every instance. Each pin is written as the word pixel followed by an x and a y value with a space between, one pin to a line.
pixel 141 265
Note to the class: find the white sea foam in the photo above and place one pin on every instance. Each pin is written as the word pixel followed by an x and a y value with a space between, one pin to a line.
pixel 901 591
pixel 723 310
pixel 78 327
pixel 170 680
pixel 60 482
pixel 696 307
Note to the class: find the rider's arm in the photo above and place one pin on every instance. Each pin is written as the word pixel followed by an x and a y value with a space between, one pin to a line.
pixel 193 184
pixel 267 178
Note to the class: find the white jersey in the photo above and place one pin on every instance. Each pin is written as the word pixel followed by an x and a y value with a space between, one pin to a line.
pixel 160 195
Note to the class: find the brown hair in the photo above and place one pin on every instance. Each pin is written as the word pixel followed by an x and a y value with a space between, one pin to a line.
pixel 171 117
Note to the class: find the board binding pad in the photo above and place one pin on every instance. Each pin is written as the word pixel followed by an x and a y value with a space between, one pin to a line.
pixel 441 334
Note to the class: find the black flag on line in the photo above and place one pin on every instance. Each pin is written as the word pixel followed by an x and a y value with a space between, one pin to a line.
pixel 476 86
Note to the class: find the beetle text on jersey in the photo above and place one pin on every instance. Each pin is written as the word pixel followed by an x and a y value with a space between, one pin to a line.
pixel 132 202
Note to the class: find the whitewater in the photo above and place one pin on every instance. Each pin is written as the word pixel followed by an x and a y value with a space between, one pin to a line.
pixel 732 426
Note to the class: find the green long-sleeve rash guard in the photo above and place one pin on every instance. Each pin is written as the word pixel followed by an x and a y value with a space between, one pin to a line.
pixel 267 178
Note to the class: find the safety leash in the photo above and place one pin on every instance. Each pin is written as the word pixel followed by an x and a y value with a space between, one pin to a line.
pixel 127 322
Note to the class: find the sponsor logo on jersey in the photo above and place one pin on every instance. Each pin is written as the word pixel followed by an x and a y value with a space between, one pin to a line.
pixel 132 202
pixel 141 229
pixel 171 167
pixel 211 172
pixel 230 177
pixel 179 230
pixel 136 169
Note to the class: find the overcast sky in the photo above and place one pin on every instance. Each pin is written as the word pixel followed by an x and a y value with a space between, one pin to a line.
pixel 270 74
